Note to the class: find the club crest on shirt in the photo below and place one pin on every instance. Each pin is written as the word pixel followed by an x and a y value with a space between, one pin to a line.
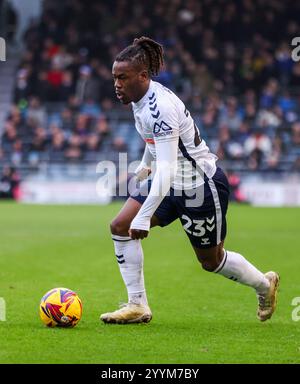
pixel 162 129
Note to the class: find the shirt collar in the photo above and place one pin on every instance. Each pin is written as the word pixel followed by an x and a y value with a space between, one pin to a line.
pixel 144 99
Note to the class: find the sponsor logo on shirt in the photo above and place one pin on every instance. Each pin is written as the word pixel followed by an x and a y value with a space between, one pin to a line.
pixel 162 129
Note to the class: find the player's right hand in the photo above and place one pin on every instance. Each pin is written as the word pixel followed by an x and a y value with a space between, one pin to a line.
pixel 137 234
pixel 143 173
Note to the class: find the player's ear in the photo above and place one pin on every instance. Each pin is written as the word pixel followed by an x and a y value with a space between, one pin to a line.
pixel 144 75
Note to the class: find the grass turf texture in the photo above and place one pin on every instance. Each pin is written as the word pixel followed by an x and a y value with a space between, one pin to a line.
pixel 199 317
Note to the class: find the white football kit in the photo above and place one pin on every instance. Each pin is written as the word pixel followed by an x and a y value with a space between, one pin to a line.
pixel 173 142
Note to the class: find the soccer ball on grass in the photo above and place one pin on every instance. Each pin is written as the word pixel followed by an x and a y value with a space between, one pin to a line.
pixel 60 307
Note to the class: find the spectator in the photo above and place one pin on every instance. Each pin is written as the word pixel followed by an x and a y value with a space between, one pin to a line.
pixel 67 86
pixel 55 80
pixel 258 141
pixel 235 188
pixel 87 87
pixel 9 183
pixel 73 151
pixel 23 87
pixel 36 112
pixel 38 146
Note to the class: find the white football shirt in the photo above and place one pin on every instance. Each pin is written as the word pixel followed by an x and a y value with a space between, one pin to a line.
pixel 173 141
pixel 160 116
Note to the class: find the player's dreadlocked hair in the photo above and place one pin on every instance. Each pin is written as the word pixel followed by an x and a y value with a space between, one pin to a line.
pixel 144 51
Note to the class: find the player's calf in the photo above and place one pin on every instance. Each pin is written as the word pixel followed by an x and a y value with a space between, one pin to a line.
pixel 235 267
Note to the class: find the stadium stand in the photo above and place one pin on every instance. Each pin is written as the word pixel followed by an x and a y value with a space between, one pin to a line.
pixel 230 62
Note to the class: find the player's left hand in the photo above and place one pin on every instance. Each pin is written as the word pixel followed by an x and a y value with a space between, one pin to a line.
pixel 136 234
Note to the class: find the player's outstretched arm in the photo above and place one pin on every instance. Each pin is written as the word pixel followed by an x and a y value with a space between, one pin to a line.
pixel 166 168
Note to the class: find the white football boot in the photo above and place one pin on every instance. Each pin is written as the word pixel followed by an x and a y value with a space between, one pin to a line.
pixel 128 313
pixel 267 302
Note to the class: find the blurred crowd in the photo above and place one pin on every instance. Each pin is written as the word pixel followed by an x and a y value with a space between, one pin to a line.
pixel 229 61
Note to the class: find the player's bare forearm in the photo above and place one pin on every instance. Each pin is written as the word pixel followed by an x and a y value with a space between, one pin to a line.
pixel 137 234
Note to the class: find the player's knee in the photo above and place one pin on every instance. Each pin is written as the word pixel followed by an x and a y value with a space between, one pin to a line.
pixel 119 227
pixel 209 265
pixel 211 261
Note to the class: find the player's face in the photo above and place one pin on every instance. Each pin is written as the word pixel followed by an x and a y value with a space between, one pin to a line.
pixel 130 83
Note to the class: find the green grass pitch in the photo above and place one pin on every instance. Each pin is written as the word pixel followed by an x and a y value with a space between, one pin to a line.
pixel 198 317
